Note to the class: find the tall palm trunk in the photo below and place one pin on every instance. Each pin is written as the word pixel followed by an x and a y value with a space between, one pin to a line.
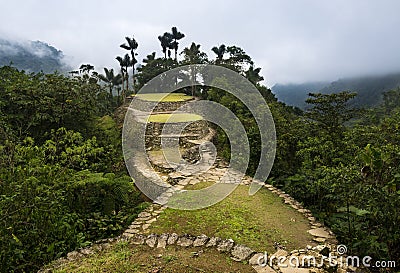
pixel 133 71
pixel 110 88
pixel 123 85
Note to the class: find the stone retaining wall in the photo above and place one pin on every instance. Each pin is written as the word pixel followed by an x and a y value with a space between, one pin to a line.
pixel 155 106
pixel 193 130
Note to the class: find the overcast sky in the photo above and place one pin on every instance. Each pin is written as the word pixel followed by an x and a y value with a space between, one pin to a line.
pixel 291 40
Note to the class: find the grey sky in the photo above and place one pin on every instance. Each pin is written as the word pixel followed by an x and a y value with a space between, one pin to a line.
pixel 291 40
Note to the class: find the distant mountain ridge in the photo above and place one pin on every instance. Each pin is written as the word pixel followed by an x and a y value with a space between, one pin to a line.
pixel 32 56
pixel 369 89
pixel 296 94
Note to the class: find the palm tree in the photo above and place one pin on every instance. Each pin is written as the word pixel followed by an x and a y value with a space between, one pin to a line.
pixel 166 43
pixel 131 46
pixel 193 55
pixel 125 63
pixel 110 79
pixel 149 58
pixel 253 74
pixel 86 68
pixel 176 35
pixel 219 51
pixel 122 66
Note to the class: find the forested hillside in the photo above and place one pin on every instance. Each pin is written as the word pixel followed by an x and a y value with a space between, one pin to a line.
pixel 369 89
pixel 296 94
pixel 32 56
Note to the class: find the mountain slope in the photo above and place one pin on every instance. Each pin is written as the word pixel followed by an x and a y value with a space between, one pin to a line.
pixel 31 56
pixel 369 89
pixel 296 94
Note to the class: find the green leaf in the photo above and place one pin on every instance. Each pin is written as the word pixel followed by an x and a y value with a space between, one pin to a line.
pixel 16 239
pixel 355 210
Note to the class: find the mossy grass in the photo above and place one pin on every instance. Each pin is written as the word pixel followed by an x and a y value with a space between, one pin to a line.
pixel 123 257
pixel 173 118
pixel 256 221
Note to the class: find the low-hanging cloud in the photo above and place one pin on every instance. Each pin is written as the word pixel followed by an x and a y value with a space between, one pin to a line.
pixel 293 41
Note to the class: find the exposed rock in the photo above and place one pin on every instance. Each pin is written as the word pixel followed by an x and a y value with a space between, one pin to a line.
pixel 325 251
pixel 74 255
pixel 319 240
pixel 134 226
pixel 96 248
pixel 176 178
pixel 318 248
pixel 128 235
pixel 256 258
pixel 200 240
pixel 145 226
pixel 138 239
pixel 294 206
pixel 105 246
pixel 280 253
pixel 263 269
pixel 185 240
pixel 213 241
pixel 151 240
pixel 316 270
pixel 144 214
pixel 225 245
pixel 320 232
pixel 131 231
pixel 241 253
pixel 151 221
pixel 351 268
pixel 290 269
pixel 330 266
pixel 162 240
pixel 172 238
pixel 86 251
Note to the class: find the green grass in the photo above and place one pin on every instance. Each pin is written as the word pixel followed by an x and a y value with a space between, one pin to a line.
pixel 256 221
pixel 123 257
pixel 173 118
pixel 172 97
